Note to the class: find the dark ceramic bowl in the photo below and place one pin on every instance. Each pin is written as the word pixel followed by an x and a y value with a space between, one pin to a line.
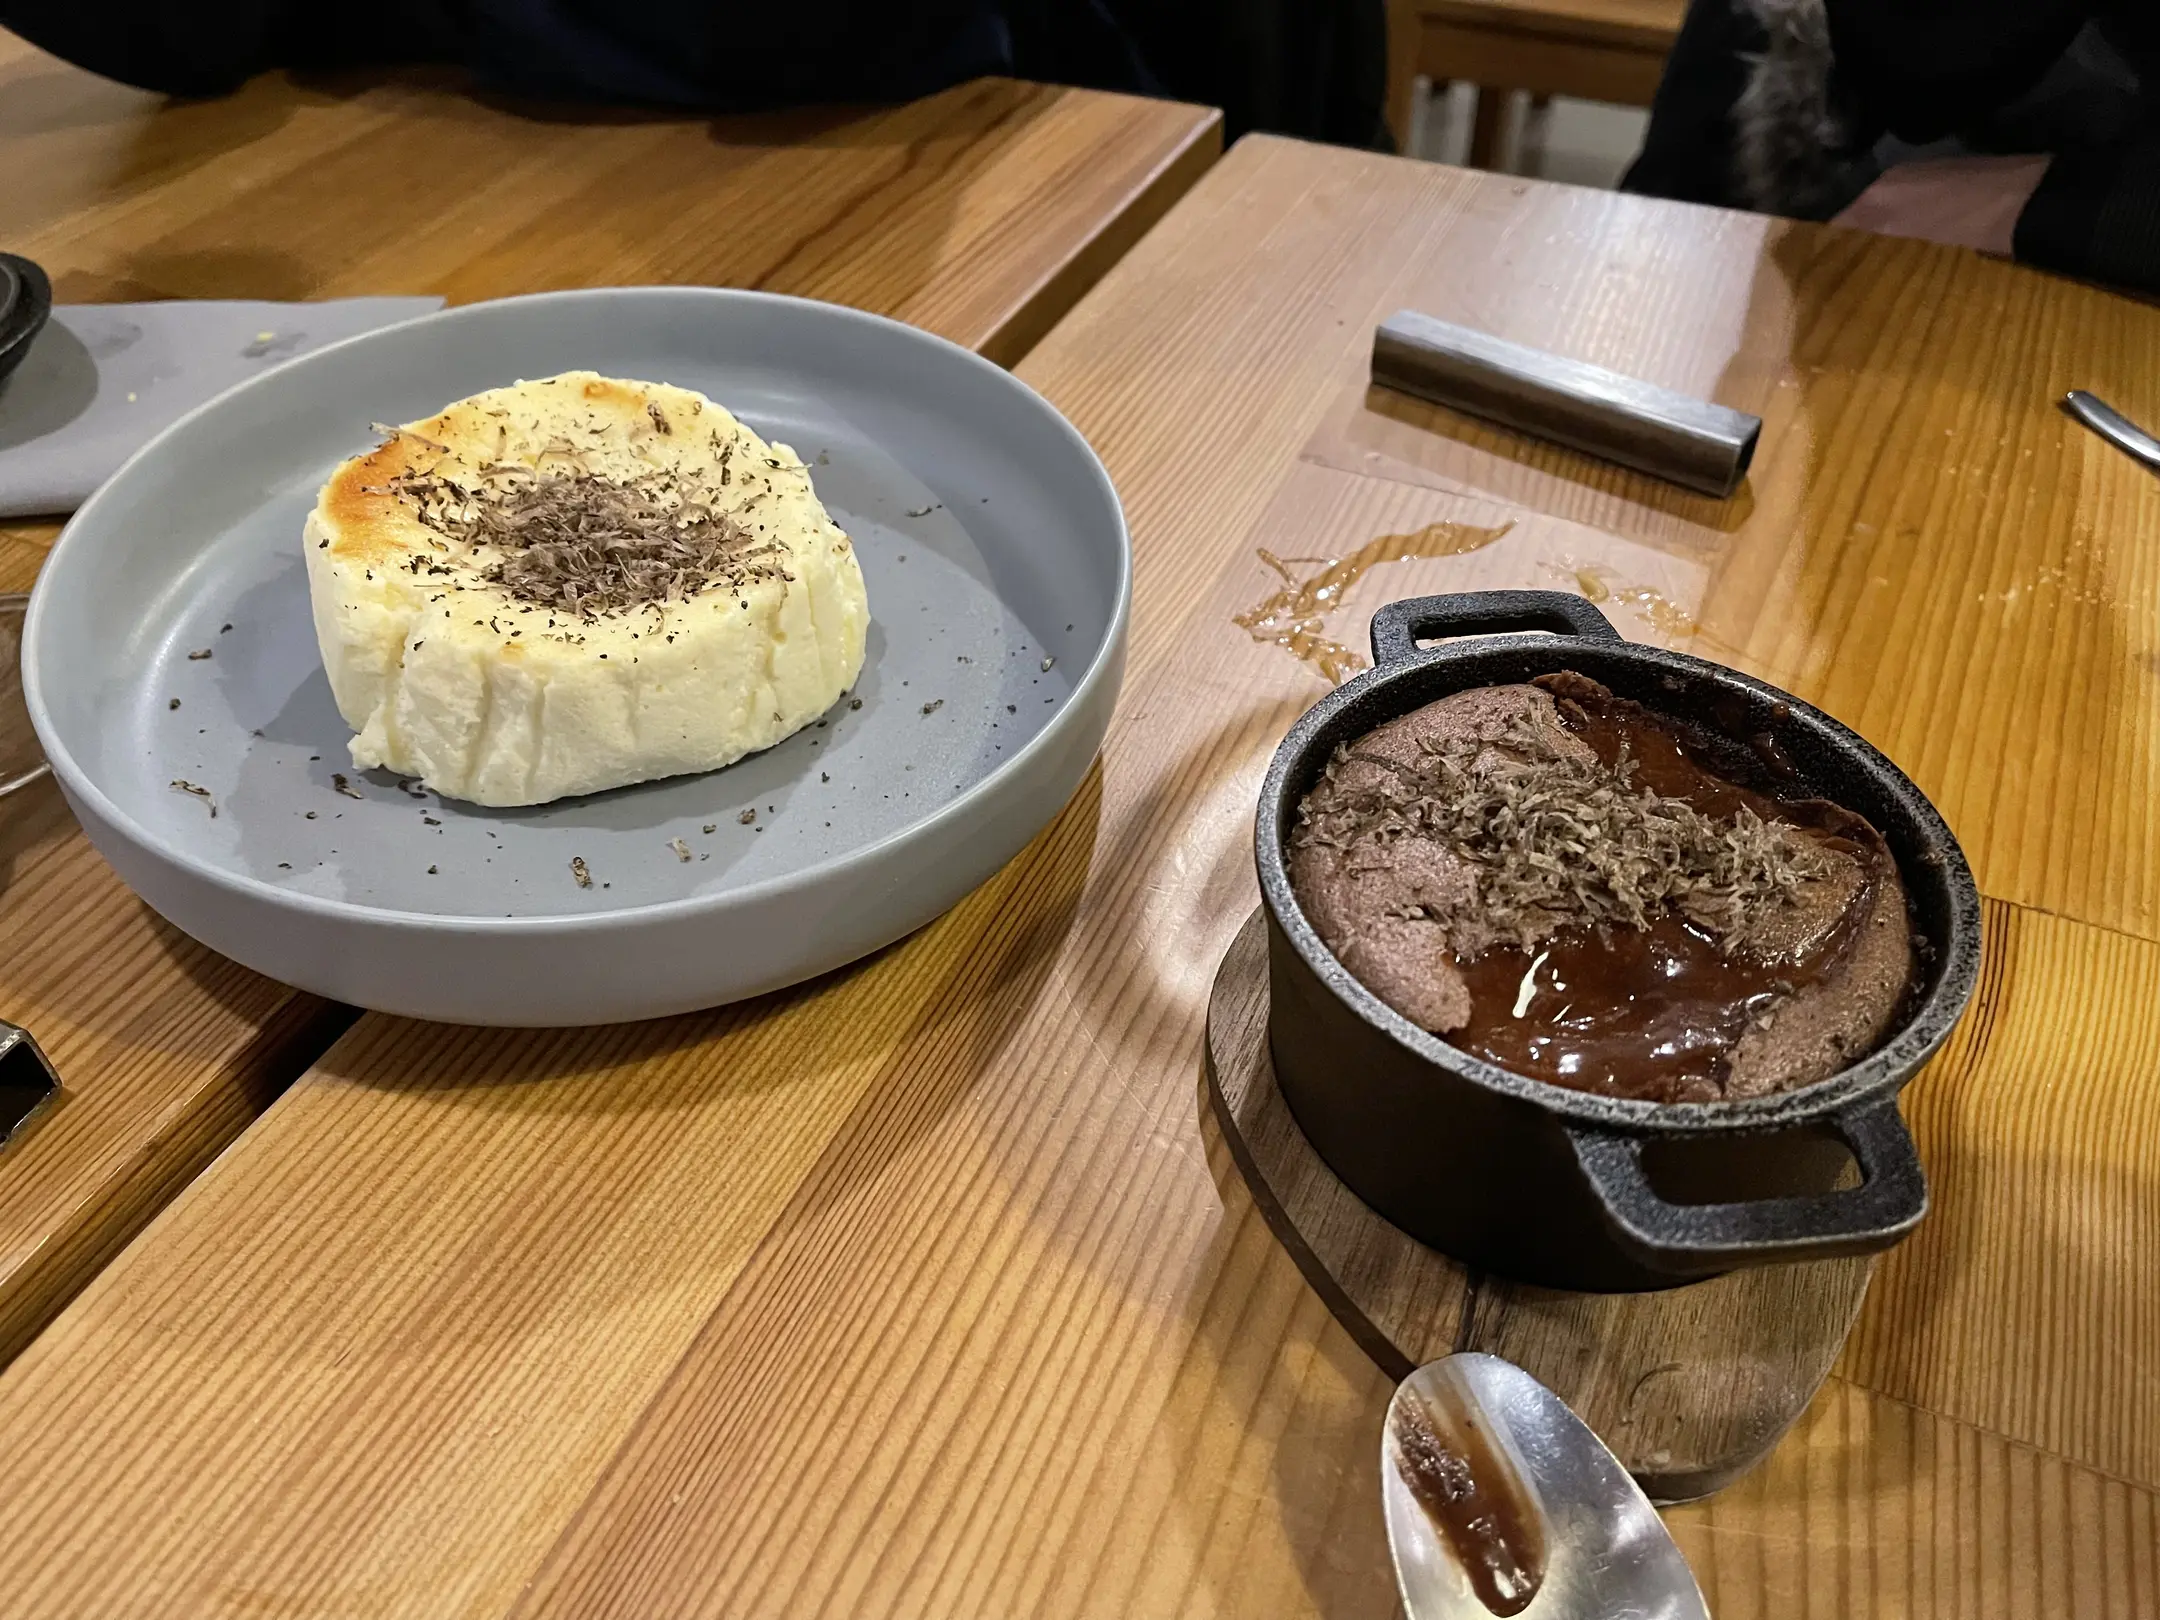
pixel 1567 1188
pixel 25 301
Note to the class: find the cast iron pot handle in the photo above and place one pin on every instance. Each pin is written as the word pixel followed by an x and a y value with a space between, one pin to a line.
pixel 1399 626
pixel 1688 1240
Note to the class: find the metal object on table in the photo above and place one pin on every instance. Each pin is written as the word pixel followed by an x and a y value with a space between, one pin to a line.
pixel 2124 434
pixel 21 760
pixel 1500 1501
pixel 1692 442
pixel 27 1081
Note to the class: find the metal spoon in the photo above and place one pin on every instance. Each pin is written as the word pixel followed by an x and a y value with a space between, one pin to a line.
pixel 2124 434
pixel 1500 1501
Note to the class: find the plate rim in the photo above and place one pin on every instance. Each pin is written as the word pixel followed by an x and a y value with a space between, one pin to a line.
pixel 68 771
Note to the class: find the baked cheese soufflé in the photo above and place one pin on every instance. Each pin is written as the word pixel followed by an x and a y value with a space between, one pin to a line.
pixel 576 584
pixel 1548 877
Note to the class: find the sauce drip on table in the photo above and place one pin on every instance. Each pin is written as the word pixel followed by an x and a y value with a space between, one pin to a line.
pixel 1295 617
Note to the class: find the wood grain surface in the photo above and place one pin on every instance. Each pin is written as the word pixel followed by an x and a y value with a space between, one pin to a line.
pixel 165 1050
pixel 1874 1507
pixel 323 187
pixel 981 214
pixel 922 1291
pixel 1690 1387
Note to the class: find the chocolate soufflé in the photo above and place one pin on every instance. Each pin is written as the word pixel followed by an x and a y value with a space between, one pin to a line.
pixel 1554 880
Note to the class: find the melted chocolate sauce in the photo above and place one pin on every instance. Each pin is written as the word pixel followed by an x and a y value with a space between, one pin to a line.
pixel 1645 1013
pixel 1651 1014
pixel 1471 1495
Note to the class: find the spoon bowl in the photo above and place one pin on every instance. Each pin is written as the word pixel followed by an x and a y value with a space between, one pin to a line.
pixel 1500 1501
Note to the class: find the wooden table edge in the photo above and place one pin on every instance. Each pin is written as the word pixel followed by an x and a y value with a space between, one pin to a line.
pixel 301 1030
pixel 1051 299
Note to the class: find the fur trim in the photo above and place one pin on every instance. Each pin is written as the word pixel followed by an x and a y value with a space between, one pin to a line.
pixel 1788 156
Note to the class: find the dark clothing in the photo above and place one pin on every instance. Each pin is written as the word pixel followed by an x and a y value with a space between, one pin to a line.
pixel 1688 149
pixel 2097 215
pixel 1311 68
pixel 1795 106
pixel 1315 68
pixel 666 52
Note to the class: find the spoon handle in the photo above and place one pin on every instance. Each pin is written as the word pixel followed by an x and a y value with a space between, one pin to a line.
pixel 2113 426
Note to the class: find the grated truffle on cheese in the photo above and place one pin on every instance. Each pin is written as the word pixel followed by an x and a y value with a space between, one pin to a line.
pixel 576 584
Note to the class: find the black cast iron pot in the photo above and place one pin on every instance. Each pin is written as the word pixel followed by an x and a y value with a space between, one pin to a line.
pixel 1567 1188
pixel 25 301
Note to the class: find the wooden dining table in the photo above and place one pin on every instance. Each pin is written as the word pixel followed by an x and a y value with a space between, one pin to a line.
pixel 927 1288
pixel 980 214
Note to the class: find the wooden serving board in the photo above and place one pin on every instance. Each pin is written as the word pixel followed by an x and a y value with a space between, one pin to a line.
pixel 1691 1386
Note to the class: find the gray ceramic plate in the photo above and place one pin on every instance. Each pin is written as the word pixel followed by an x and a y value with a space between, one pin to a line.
pixel 999 575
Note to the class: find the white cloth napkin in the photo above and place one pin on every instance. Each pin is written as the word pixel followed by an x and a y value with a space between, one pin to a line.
pixel 102 379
